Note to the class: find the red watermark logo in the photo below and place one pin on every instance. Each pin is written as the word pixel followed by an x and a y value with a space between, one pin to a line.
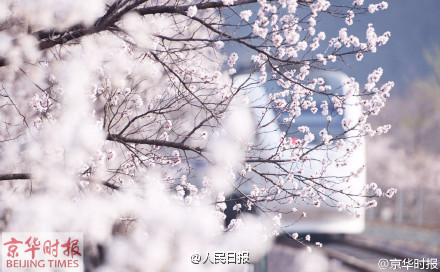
pixel 46 251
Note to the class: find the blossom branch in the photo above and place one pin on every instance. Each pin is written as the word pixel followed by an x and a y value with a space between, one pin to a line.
pixel 118 138
pixel 15 176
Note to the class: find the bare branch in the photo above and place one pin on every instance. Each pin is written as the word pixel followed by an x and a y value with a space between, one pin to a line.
pixel 117 138
pixel 15 176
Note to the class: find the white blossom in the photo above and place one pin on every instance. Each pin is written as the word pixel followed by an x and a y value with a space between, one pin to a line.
pixel 192 11
pixel 245 15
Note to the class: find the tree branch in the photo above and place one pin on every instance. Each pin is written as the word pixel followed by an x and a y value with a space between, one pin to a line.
pixel 200 6
pixel 183 9
pixel 20 176
pixel 103 23
pixel 117 138
pixel 15 176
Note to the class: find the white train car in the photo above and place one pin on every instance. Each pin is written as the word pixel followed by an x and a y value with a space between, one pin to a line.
pixel 326 219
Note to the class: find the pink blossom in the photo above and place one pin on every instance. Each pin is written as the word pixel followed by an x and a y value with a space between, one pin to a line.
pixel 246 14
pixel 228 2
pixel 192 11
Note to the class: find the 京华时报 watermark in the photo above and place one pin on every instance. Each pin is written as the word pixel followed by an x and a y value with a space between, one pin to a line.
pixel 42 251
pixel 408 263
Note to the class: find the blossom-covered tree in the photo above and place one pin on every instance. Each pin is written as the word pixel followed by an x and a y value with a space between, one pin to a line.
pixel 125 120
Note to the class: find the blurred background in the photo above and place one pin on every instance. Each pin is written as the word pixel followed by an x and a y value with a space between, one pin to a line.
pixel 408 157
